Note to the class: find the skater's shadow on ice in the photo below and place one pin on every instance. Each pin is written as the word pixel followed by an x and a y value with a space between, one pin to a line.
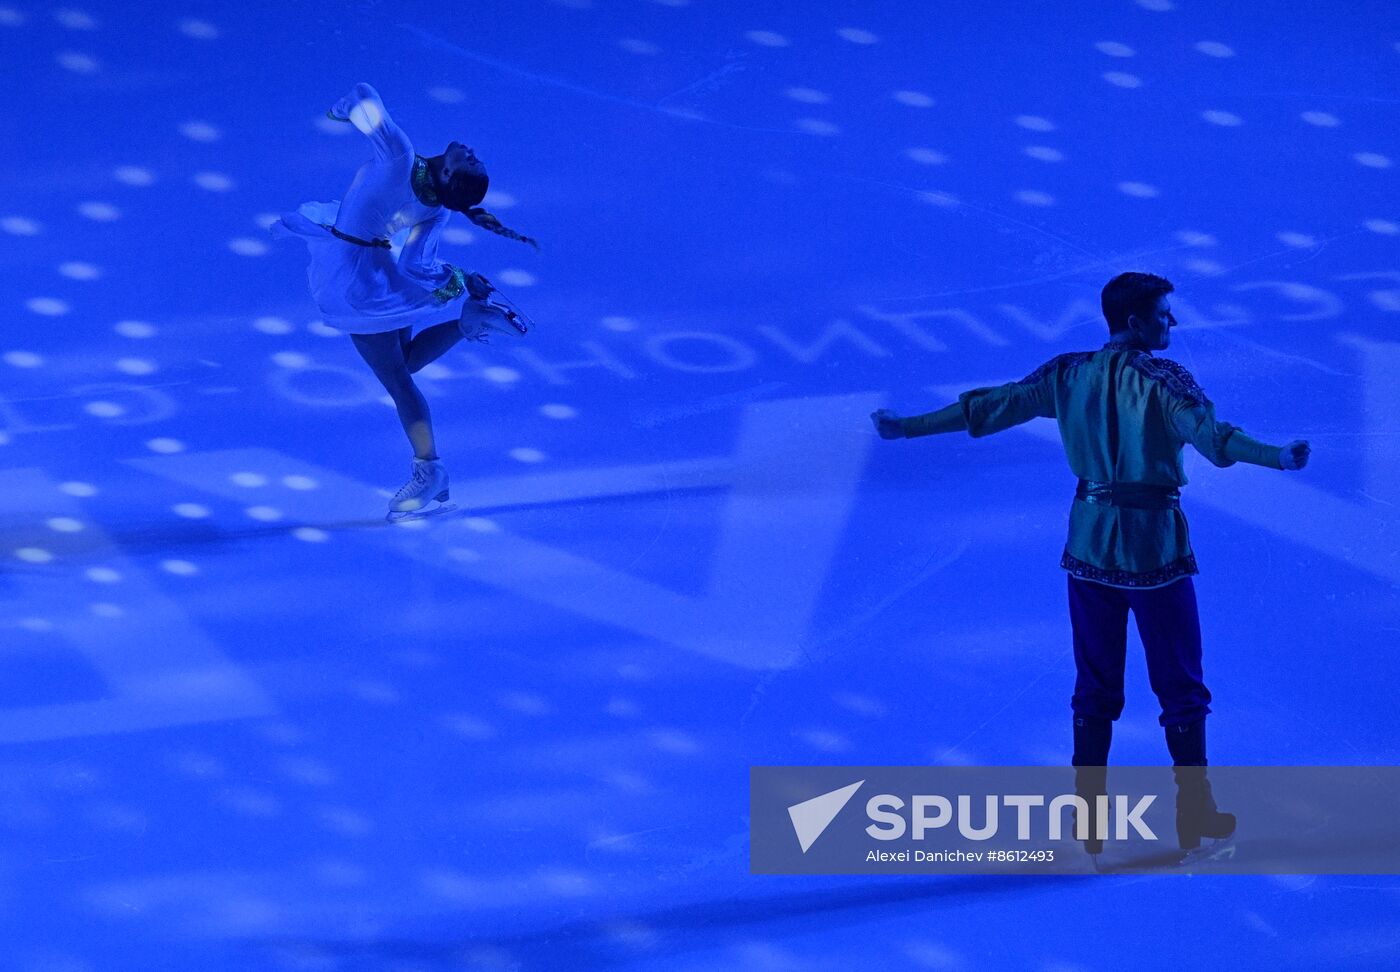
pixel 597 943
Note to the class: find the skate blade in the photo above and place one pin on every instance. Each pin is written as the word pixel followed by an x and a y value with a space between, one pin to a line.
pixel 1222 849
pixel 423 514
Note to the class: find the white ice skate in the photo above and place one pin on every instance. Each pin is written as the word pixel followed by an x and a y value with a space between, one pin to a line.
pixel 486 311
pixel 425 493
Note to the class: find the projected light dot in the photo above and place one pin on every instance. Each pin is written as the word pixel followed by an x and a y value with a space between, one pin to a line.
pixel 33 555
pixel 1159 6
pixel 265 514
pixel 1383 226
pixel 75 19
pixel 302 483
pixel 1138 190
pixel 817 126
pixel 463 554
pixel 458 236
pixel 190 511
pixel 495 199
pixel 48 306
pixel 1300 240
pixel 943 200
pixel 517 278
pixel 1044 153
pixel 1034 197
pixel 77 489
pixel 166 447
pixel 1195 238
pixel 622 708
pixel 10 17
pixel 1321 119
pixel 134 329
pixel 322 329
pixel 102 575
pixel 36 625
pixel 1114 49
pixel 106 609
pixel 575 4
pixel 249 803
pixel 558 411
pixel 19 226
pixel 23 359
pixel 808 96
pixel 133 175
pixel 436 371
pixel 198 29
pixel 1122 79
pixel 135 366
pixel 617 323
pixel 527 455
pixel 480 524
pixel 633 45
pixel 767 38
pixel 1372 160
pixel 77 63
pixel 1209 268
pixel 273 325
pixel 65 524
pixel 100 212
pixel 104 409
pixel 310 535
pixel 80 271
pixel 291 359
pixel 265 221
pixel 200 131
pixel 1223 118
pixel 857 36
pixel 244 246
pixel 1215 49
pixel 212 181
pixel 381 693
pixel 447 96
pixel 823 740
pixel 674 741
pixel 411 524
pixel 926 156
pixel 180 568
pixel 914 99
pixel 500 375
pixel 248 480
pixel 346 822
pixel 1035 123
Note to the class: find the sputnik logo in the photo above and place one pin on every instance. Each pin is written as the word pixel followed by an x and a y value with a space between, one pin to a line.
pixel 811 817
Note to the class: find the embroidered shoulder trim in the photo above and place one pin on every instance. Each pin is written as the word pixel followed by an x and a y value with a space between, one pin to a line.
pixel 1177 379
pixel 1181 567
pixel 1070 358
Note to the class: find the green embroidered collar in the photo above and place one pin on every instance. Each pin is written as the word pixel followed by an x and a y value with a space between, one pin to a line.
pixel 423 183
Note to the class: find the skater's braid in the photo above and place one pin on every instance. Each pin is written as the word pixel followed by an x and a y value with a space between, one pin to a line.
pixel 487 221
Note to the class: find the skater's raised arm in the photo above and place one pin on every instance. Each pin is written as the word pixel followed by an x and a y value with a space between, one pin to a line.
pixel 949 418
pixel 981 411
pixel 363 108
pixel 1194 421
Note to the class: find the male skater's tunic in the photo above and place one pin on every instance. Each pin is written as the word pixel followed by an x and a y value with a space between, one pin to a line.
pixel 1124 416
pixel 387 275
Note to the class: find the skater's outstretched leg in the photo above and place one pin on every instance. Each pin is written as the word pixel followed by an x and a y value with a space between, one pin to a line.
pixel 384 353
pixel 430 344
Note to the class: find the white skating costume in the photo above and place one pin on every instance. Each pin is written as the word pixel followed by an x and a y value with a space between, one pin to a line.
pixel 374 265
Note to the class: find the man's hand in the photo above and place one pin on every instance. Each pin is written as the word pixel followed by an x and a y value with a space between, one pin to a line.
pixel 332 114
pixel 1295 454
pixel 888 424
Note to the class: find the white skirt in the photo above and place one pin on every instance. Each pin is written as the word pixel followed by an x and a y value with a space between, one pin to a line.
pixel 362 289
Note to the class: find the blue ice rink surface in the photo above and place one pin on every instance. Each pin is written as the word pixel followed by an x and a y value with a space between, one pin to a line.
pixel 246 725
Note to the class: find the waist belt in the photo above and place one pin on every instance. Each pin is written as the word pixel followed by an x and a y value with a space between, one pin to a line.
pixel 1134 496
pixel 383 244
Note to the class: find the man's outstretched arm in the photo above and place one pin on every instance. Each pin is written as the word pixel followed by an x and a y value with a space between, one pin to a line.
pixel 950 418
pixel 1225 444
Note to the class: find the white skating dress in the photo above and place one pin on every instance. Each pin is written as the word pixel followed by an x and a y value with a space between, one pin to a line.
pixel 392 278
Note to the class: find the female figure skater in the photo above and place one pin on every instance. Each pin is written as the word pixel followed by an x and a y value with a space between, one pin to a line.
pixel 375 273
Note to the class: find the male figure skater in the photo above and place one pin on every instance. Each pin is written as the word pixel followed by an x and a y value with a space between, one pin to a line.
pixel 1124 415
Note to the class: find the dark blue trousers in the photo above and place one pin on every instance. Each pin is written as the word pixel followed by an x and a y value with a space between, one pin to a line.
pixel 1170 628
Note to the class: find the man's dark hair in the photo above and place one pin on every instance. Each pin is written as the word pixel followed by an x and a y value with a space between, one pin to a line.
pixel 1131 293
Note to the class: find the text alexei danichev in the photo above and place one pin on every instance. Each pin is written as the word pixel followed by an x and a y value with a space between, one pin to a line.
pixel 877 856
